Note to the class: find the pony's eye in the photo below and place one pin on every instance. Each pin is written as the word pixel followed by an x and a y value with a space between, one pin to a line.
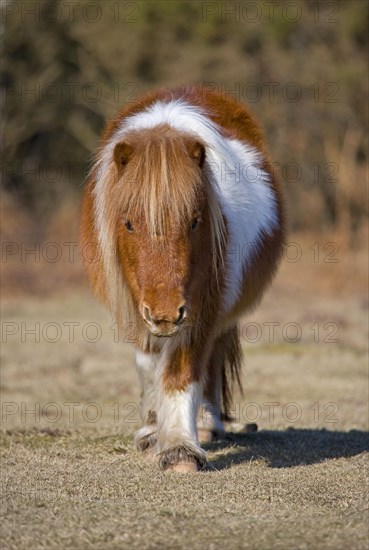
pixel 129 226
pixel 195 223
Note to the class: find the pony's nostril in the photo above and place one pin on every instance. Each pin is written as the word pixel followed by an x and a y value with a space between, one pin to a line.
pixel 159 319
pixel 147 314
pixel 181 314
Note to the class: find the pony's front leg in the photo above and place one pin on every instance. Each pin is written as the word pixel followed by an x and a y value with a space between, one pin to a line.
pixel 179 400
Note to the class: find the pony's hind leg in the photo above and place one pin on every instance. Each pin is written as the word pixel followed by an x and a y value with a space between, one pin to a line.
pixel 145 438
pixel 225 357
pixel 209 423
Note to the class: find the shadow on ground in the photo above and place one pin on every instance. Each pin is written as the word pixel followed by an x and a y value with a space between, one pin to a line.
pixel 285 449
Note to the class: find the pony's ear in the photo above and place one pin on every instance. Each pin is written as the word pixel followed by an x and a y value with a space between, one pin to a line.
pixel 196 151
pixel 122 153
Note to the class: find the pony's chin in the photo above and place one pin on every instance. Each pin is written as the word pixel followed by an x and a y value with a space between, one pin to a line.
pixel 166 334
pixel 163 333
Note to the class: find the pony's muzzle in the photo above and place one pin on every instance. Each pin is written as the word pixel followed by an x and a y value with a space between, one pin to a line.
pixel 163 323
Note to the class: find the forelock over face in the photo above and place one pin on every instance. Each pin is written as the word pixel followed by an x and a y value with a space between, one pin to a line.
pixel 160 177
pixel 163 231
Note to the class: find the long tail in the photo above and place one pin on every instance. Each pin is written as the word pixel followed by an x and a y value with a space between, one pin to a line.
pixel 231 372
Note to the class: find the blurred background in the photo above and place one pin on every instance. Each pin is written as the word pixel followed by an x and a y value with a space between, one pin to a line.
pixel 69 66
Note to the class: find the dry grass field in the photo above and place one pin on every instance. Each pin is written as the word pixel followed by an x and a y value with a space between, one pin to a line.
pixel 72 479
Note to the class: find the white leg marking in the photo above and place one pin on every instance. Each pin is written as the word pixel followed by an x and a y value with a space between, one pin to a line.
pixel 177 413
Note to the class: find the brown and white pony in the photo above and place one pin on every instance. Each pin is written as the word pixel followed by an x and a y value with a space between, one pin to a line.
pixel 184 216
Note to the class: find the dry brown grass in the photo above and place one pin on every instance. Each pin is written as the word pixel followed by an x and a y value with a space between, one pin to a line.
pixel 75 483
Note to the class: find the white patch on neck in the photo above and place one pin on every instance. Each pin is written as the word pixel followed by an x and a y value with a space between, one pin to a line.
pixel 243 189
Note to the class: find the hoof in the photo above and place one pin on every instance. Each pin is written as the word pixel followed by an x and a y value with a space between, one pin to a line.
pixel 237 427
pixel 182 459
pixel 206 436
pixel 249 428
pixel 147 444
pixel 184 467
pixel 149 453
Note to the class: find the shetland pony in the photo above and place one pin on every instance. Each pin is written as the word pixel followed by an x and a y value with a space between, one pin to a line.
pixel 184 216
